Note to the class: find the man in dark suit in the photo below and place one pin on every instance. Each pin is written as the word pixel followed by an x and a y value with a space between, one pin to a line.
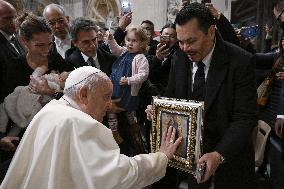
pixel 276 161
pixel 9 49
pixel 222 75
pixel 9 45
pixel 84 37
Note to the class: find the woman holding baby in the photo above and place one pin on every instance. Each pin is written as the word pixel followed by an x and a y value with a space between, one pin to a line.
pixel 36 37
pixel 29 70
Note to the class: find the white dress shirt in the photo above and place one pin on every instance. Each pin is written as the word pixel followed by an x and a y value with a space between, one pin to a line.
pixel 206 61
pixel 62 45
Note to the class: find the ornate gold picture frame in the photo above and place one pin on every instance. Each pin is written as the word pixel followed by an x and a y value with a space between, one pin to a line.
pixel 187 117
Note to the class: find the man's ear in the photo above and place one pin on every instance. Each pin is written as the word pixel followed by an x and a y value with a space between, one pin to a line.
pixel 211 32
pixel 23 42
pixel 83 95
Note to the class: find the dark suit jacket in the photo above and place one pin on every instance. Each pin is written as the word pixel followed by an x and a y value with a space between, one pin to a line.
pixel 7 55
pixel 230 109
pixel 75 58
pixel 7 51
pixel 281 101
pixel 226 30
pixel 281 112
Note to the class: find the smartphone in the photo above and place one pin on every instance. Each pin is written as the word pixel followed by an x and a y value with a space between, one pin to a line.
pixel 125 7
pixel 205 1
pixel 165 39
pixel 250 32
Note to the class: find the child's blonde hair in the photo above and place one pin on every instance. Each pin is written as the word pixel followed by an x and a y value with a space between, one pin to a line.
pixel 142 37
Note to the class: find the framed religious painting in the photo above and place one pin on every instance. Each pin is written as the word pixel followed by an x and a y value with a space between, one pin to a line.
pixel 187 118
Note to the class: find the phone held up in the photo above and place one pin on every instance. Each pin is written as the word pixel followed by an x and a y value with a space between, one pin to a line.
pixel 250 32
pixel 205 1
pixel 125 7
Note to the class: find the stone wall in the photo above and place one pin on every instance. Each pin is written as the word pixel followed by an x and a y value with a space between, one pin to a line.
pixel 158 11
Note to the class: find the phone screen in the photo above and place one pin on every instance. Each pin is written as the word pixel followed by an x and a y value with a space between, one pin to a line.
pixel 250 32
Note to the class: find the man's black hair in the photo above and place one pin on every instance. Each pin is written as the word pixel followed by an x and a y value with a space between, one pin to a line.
pixel 81 24
pixel 148 22
pixel 200 12
pixel 168 25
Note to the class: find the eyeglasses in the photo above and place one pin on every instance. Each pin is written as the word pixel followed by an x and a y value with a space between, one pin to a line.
pixel 54 21
pixel 279 16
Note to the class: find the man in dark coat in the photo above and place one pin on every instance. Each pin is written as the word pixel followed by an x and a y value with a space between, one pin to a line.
pixel 84 37
pixel 222 75
pixel 10 50
pixel 9 46
pixel 278 138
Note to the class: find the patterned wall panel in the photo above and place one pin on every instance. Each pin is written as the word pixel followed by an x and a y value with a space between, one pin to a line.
pixel 36 6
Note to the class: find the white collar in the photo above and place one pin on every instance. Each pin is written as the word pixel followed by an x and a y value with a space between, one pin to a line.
pixel 67 40
pixel 86 57
pixel 70 102
pixel 208 58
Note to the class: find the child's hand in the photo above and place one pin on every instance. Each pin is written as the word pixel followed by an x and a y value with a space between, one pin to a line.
pixel 109 36
pixel 123 81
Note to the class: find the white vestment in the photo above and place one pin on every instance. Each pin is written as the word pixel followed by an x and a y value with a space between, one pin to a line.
pixel 64 148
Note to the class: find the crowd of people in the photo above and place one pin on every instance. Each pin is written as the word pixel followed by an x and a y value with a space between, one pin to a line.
pixel 76 100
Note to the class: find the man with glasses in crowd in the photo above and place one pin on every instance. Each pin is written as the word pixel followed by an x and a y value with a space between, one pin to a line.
pixel 55 16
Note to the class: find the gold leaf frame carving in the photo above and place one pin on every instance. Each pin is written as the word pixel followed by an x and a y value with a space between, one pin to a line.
pixel 187 117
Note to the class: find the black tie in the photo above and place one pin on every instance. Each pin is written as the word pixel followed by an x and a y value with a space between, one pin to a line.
pixel 198 92
pixel 91 62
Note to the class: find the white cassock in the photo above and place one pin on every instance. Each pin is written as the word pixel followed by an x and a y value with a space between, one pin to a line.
pixel 64 148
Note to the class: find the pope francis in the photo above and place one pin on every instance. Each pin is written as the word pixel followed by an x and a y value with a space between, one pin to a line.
pixel 66 146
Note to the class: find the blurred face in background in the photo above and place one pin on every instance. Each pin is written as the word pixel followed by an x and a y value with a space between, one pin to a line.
pixel 172 34
pixel 149 29
pixel 101 34
pixel 58 22
pixel 7 18
pixel 86 42
pixel 279 15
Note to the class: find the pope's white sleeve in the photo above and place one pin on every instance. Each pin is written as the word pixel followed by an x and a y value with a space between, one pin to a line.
pixel 144 169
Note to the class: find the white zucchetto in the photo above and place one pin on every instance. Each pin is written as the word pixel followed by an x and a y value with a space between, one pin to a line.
pixel 80 74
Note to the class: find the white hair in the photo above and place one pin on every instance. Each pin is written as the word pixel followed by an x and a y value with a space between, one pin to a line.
pixel 91 82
